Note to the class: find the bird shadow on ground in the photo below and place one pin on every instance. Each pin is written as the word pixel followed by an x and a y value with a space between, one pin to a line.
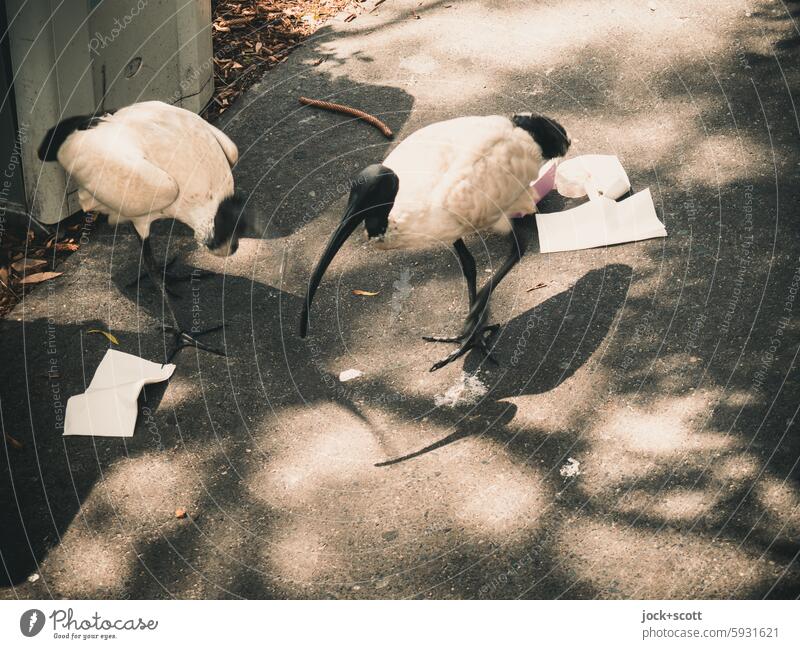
pixel 540 349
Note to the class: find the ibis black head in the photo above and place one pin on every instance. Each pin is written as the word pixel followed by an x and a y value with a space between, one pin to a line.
pixel 372 196
pixel 546 132
pixel 229 222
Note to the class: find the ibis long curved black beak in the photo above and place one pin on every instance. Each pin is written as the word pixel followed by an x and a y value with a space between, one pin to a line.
pixel 371 199
pixel 349 223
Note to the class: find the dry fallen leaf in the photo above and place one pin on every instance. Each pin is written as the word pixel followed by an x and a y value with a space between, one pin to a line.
pixel 28 264
pixel 68 246
pixel 358 291
pixel 13 443
pixel 280 25
pixel 111 337
pixel 39 277
pixel 180 513
pixel 238 22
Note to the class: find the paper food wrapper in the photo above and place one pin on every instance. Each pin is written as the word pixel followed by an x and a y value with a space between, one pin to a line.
pixel 108 408
pixel 601 175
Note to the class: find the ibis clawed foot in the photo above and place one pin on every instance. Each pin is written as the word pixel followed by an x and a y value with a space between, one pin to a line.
pixel 182 338
pixel 476 335
pixel 479 338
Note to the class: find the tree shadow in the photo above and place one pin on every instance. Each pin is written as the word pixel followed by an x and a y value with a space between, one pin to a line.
pixel 288 152
pixel 43 484
pixel 688 457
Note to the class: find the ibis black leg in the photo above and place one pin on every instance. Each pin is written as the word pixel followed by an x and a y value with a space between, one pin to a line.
pixel 467 262
pixel 181 337
pixel 476 333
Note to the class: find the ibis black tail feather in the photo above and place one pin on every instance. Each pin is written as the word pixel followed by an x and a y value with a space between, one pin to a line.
pixel 55 137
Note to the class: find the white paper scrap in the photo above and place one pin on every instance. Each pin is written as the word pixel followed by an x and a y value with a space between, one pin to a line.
pixel 349 375
pixel 600 222
pixel 108 407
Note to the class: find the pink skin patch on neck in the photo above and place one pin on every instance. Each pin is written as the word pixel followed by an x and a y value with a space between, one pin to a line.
pixel 543 185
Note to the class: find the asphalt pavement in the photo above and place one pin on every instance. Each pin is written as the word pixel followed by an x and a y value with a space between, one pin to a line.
pixel 638 438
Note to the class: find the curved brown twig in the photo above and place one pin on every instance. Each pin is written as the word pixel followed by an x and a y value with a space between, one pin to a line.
pixel 348 110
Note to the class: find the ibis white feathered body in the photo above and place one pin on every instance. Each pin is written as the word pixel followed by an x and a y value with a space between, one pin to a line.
pixel 446 181
pixel 458 177
pixel 150 161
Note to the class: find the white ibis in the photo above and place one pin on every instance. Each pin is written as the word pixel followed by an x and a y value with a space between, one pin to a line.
pixel 446 181
pixel 151 161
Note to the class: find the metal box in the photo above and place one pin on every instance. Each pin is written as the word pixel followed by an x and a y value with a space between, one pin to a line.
pixel 86 56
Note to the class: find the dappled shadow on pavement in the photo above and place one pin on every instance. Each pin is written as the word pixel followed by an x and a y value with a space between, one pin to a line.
pixel 640 443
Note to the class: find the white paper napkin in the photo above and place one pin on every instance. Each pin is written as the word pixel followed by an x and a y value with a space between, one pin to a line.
pixel 108 407
pixel 600 222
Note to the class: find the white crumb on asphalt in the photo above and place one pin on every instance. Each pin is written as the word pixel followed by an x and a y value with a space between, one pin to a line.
pixel 33 578
pixel 466 391
pixel 349 375
pixel 571 469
